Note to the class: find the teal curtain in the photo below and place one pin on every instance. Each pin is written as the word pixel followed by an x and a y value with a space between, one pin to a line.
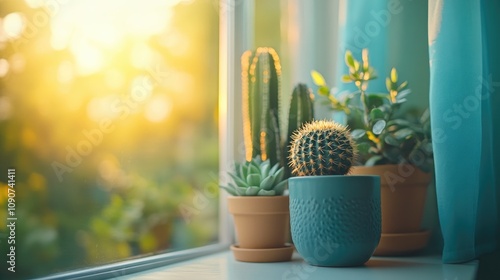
pixel 365 26
pixel 464 53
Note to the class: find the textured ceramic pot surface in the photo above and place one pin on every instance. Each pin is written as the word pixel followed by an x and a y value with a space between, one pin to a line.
pixel 404 189
pixel 260 221
pixel 335 220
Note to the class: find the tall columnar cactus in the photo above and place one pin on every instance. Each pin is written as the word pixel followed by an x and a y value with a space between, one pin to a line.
pixel 301 111
pixel 261 74
pixel 322 148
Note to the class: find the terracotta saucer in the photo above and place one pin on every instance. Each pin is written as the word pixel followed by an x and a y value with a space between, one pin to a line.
pixel 282 254
pixel 396 244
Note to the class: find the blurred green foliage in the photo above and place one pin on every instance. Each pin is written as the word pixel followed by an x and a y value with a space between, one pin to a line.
pixel 123 192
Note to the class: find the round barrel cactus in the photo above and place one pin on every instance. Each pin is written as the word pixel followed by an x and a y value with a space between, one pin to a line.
pixel 322 148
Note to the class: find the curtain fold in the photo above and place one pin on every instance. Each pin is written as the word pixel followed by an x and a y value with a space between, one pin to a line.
pixel 463 53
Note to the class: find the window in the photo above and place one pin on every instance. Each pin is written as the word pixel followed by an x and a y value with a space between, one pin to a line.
pixel 108 115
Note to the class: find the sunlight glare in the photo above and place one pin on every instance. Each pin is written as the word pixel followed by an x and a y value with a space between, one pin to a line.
pixel 34 3
pixel 99 108
pixel 4 67
pixel 142 56
pixel 94 34
pixel 176 43
pixel 141 88
pixel 114 79
pixel 158 108
pixel 13 25
pixel 65 72
pixel 3 35
pixel 89 59
pixel 181 82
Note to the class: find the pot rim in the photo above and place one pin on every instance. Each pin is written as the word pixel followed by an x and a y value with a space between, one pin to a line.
pixel 356 176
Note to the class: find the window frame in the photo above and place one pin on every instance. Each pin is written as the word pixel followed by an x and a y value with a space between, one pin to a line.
pixel 235 36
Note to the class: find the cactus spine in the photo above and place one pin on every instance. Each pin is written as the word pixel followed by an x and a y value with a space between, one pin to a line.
pixel 301 111
pixel 261 75
pixel 322 148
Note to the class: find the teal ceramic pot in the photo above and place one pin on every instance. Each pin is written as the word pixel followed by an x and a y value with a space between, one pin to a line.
pixel 335 220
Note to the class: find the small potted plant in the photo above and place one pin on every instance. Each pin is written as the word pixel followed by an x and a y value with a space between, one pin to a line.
pixel 260 211
pixel 396 149
pixel 335 219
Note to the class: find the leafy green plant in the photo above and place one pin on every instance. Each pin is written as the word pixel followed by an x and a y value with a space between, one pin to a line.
pixel 322 148
pixel 382 136
pixel 257 177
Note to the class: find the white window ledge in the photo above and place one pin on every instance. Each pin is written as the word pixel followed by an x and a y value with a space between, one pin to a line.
pixel 222 266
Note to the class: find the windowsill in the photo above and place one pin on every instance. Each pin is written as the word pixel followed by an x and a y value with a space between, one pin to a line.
pixel 224 266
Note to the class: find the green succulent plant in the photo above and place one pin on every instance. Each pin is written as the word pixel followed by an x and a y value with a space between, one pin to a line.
pixel 383 137
pixel 301 111
pixel 322 148
pixel 261 95
pixel 256 178
pixel 261 78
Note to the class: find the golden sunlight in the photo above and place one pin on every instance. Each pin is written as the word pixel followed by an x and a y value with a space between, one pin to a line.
pixel 91 34
pixel 158 108
pixel 13 25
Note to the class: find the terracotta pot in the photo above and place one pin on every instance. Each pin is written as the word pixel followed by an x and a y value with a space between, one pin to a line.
pixel 261 222
pixel 403 193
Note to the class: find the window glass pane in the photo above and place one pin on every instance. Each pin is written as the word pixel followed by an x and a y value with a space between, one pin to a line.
pixel 108 114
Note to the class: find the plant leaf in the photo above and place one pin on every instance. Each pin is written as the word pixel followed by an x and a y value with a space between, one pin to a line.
pixel 403 133
pixel 278 177
pixel 363 147
pixel 229 190
pixel 376 114
pixel 349 60
pixel 252 191
pixel 324 90
pixel 358 133
pixel 373 160
pixel 394 76
pixel 346 78
pixel 241 191
pixel 402 86
pixel 253 179
pixel 252 169
pixel 399 123
pixel 264 168
pixel 242 171
pixel 267 183
pixel 266 193
pixel 318 79
pixel 426 115
pixel 402 94
pixel 280 188
pixel 388 84
pixel 389 139
pixel 356 65
pixel 239 182
pixel 378 127
pixel 274 169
